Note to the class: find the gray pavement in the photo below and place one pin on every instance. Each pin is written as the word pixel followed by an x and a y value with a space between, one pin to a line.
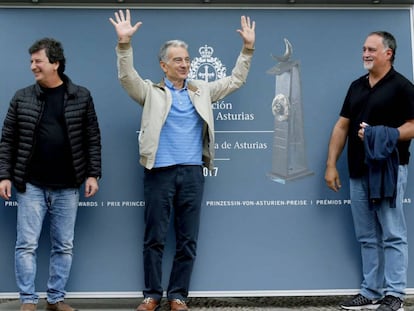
pixel 325 303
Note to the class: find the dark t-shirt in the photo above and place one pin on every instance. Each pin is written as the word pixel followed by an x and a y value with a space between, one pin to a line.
pixel 51 164
pixel 390 102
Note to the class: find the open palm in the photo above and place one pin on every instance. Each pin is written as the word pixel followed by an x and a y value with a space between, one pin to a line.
pixel 123 26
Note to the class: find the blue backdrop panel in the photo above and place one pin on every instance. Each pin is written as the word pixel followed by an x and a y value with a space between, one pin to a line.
pixel 256 234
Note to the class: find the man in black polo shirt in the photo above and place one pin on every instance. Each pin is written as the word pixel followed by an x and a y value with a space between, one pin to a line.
pixel 378 105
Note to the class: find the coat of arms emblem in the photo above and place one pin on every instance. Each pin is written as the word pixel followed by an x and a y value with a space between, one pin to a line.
pixel 206 67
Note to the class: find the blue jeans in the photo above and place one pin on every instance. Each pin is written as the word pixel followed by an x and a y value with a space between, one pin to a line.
pixel 382 234
pixel 176 190
pixel 33 205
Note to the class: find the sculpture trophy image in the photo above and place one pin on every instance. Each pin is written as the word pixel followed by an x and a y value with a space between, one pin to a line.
pixel 288 154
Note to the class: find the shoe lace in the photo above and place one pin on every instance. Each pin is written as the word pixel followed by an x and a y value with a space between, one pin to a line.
pixel 147 300
pixel 180 302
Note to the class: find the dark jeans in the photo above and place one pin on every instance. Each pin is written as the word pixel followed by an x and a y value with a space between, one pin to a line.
pixel 178 187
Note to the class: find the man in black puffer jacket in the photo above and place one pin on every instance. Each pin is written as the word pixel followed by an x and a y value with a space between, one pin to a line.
pixel 50 145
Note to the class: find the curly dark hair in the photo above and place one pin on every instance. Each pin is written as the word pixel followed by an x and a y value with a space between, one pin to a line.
pixel 53 50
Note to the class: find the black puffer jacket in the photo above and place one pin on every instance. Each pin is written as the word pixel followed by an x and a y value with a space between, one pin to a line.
pixel 20 125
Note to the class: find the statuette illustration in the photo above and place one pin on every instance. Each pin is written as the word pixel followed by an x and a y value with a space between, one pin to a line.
pixel 289 152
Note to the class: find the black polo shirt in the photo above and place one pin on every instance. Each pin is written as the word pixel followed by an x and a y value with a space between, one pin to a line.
pixel 390 102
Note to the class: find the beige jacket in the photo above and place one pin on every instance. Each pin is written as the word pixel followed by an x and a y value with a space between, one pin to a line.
pixel 156 100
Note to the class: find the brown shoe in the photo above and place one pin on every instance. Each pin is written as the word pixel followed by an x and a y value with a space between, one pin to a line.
pixel 148 304
pixel 178 305
pixel 59 306
pixel 28 307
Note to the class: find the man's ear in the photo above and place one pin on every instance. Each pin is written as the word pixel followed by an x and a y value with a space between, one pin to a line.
pixel 163 66
pixel 390 53
pixel 56 64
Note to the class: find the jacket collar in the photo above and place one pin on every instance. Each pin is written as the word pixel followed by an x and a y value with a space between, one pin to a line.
pixel 190 86
pixel 70 87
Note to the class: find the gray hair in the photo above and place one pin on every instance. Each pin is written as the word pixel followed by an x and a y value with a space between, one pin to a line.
pixel 162 55
pixel 388 41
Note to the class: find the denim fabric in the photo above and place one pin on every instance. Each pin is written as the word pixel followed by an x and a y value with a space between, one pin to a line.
pixel 33 205
pixel 176 190
pixel 382 234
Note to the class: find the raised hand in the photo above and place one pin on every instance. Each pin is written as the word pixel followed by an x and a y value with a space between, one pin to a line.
pixel 123 26
pixel 247 31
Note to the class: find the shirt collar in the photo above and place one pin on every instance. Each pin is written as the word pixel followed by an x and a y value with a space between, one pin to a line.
pixel 170 85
